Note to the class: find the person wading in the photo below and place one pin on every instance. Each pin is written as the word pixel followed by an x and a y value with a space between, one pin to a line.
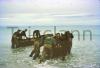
pixel 15 37
pixel 23 34
pixel 58 46
pixel 36 49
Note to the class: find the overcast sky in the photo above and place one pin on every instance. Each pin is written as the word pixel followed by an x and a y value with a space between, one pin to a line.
pixel 49 12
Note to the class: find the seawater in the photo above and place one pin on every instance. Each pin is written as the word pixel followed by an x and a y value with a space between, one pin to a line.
pixel 84 53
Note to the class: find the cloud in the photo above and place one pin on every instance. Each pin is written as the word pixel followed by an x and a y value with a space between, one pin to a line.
pixel 45 6
pixel 49 19
pixel 48 12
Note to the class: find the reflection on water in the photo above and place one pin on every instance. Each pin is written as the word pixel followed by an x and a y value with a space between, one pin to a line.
pixel 85 54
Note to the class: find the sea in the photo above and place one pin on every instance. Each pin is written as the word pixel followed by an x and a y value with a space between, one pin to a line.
pixel 85 52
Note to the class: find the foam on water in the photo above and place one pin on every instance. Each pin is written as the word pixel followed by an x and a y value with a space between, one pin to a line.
pixel 82 56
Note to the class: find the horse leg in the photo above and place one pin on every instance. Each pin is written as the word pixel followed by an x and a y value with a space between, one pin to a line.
pixel 32 53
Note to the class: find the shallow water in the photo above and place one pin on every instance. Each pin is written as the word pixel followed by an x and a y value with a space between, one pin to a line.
pixel 85 54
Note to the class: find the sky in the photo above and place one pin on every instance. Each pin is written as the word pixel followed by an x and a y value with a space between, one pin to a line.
pixel 49 12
